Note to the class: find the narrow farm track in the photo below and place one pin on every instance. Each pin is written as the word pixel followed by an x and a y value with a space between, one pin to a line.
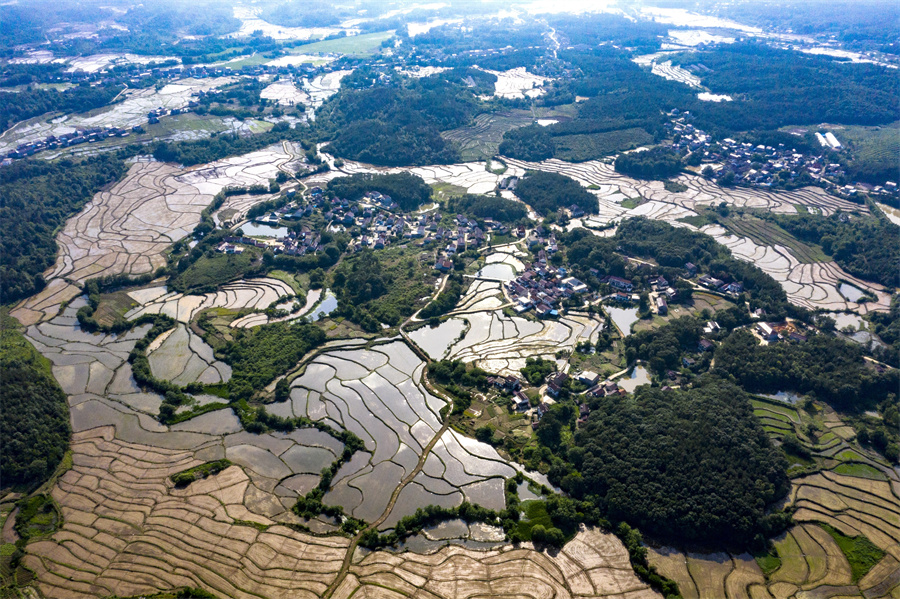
pixel 348 558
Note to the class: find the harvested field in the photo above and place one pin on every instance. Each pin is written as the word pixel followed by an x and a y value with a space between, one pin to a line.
pixel 126 114
pixel 127 530
pixel 812 564
pixel 128 228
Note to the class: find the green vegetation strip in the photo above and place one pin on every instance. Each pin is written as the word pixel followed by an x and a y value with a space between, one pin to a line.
pixel 186 477
pixel 860 552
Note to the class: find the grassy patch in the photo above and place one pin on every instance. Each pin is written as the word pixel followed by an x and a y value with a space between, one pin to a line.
pixel 38 516
pixel 208 272
pixel 859 551
pixel 768 562
pixel 695 221
pixel 112 308
pixel 578 148
pixel 186 477
pixel 358 45
pixel 289 278
pixel 859 471
pixel 675 186
pixel 535 513
pixel 630 203
pixel 444 191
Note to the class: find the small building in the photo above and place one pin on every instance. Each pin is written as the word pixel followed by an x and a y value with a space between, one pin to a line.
pixel 662 308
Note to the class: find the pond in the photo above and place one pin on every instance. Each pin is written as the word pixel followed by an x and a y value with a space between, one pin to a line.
pixel 436 341
pixel 325 307
pixel 639 376
pixel 843 320
pixel 785 396
pixel 854 294
pixel 623 318
pixel 261 230
pixel 497 271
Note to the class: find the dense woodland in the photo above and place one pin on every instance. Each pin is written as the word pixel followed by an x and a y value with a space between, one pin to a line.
pixel 866 247
pixel 31 102
pixel 380 287
pixel 36 198
pixel 717 490
pixel 831 368
pixel 258 355
pixel 781 87
pixel 479 206
pixel 548 192
pixel 656 163
pixel 408 190
pixel 396 121
pixel 35 415
pixel 532 143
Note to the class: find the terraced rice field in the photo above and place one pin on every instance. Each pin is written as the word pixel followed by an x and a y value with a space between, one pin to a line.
pixel 810 284
pixel 856 493
pixel 480 333
pixel 128 228
pixel 128 531
pixel 665 69
pixel 481 139
pixel 127 113
pixel 518 83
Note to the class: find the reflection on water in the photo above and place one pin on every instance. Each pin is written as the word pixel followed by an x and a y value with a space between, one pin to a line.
pixel 261 230
pixel 622 317
pixel 498 270
pixel 854 294
pixel 436 341
pixel 785 396
pixel 326 307
pixel 639 376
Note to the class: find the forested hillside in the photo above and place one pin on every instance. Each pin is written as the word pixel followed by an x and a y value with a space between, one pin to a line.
pixel 34 415
pixel 36 197
pixel 718 488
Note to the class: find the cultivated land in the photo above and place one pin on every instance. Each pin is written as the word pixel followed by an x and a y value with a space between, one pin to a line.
pixel 129 228
pixel 849 489
pixel 807 281
pixel 127 530
pixel 130 111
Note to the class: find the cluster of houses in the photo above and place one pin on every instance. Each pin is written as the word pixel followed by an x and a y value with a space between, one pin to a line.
pixel 773 332
pixel 763 166
pixel 733 289
pixel 80 136
pixel 543 288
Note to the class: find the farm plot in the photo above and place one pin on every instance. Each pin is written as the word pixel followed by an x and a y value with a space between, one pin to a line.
pixel 126 114
pixel 470 176
pixel 254 294
pixel 499 343
pixel 322 87
pixel 128 228
pixel 251 22
pixel 665 69
pixel 700 192
pixel 375 394
pixel 285 93
pixel 593 564
pixel 183 357
pixel 482 139
pixel 812 285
